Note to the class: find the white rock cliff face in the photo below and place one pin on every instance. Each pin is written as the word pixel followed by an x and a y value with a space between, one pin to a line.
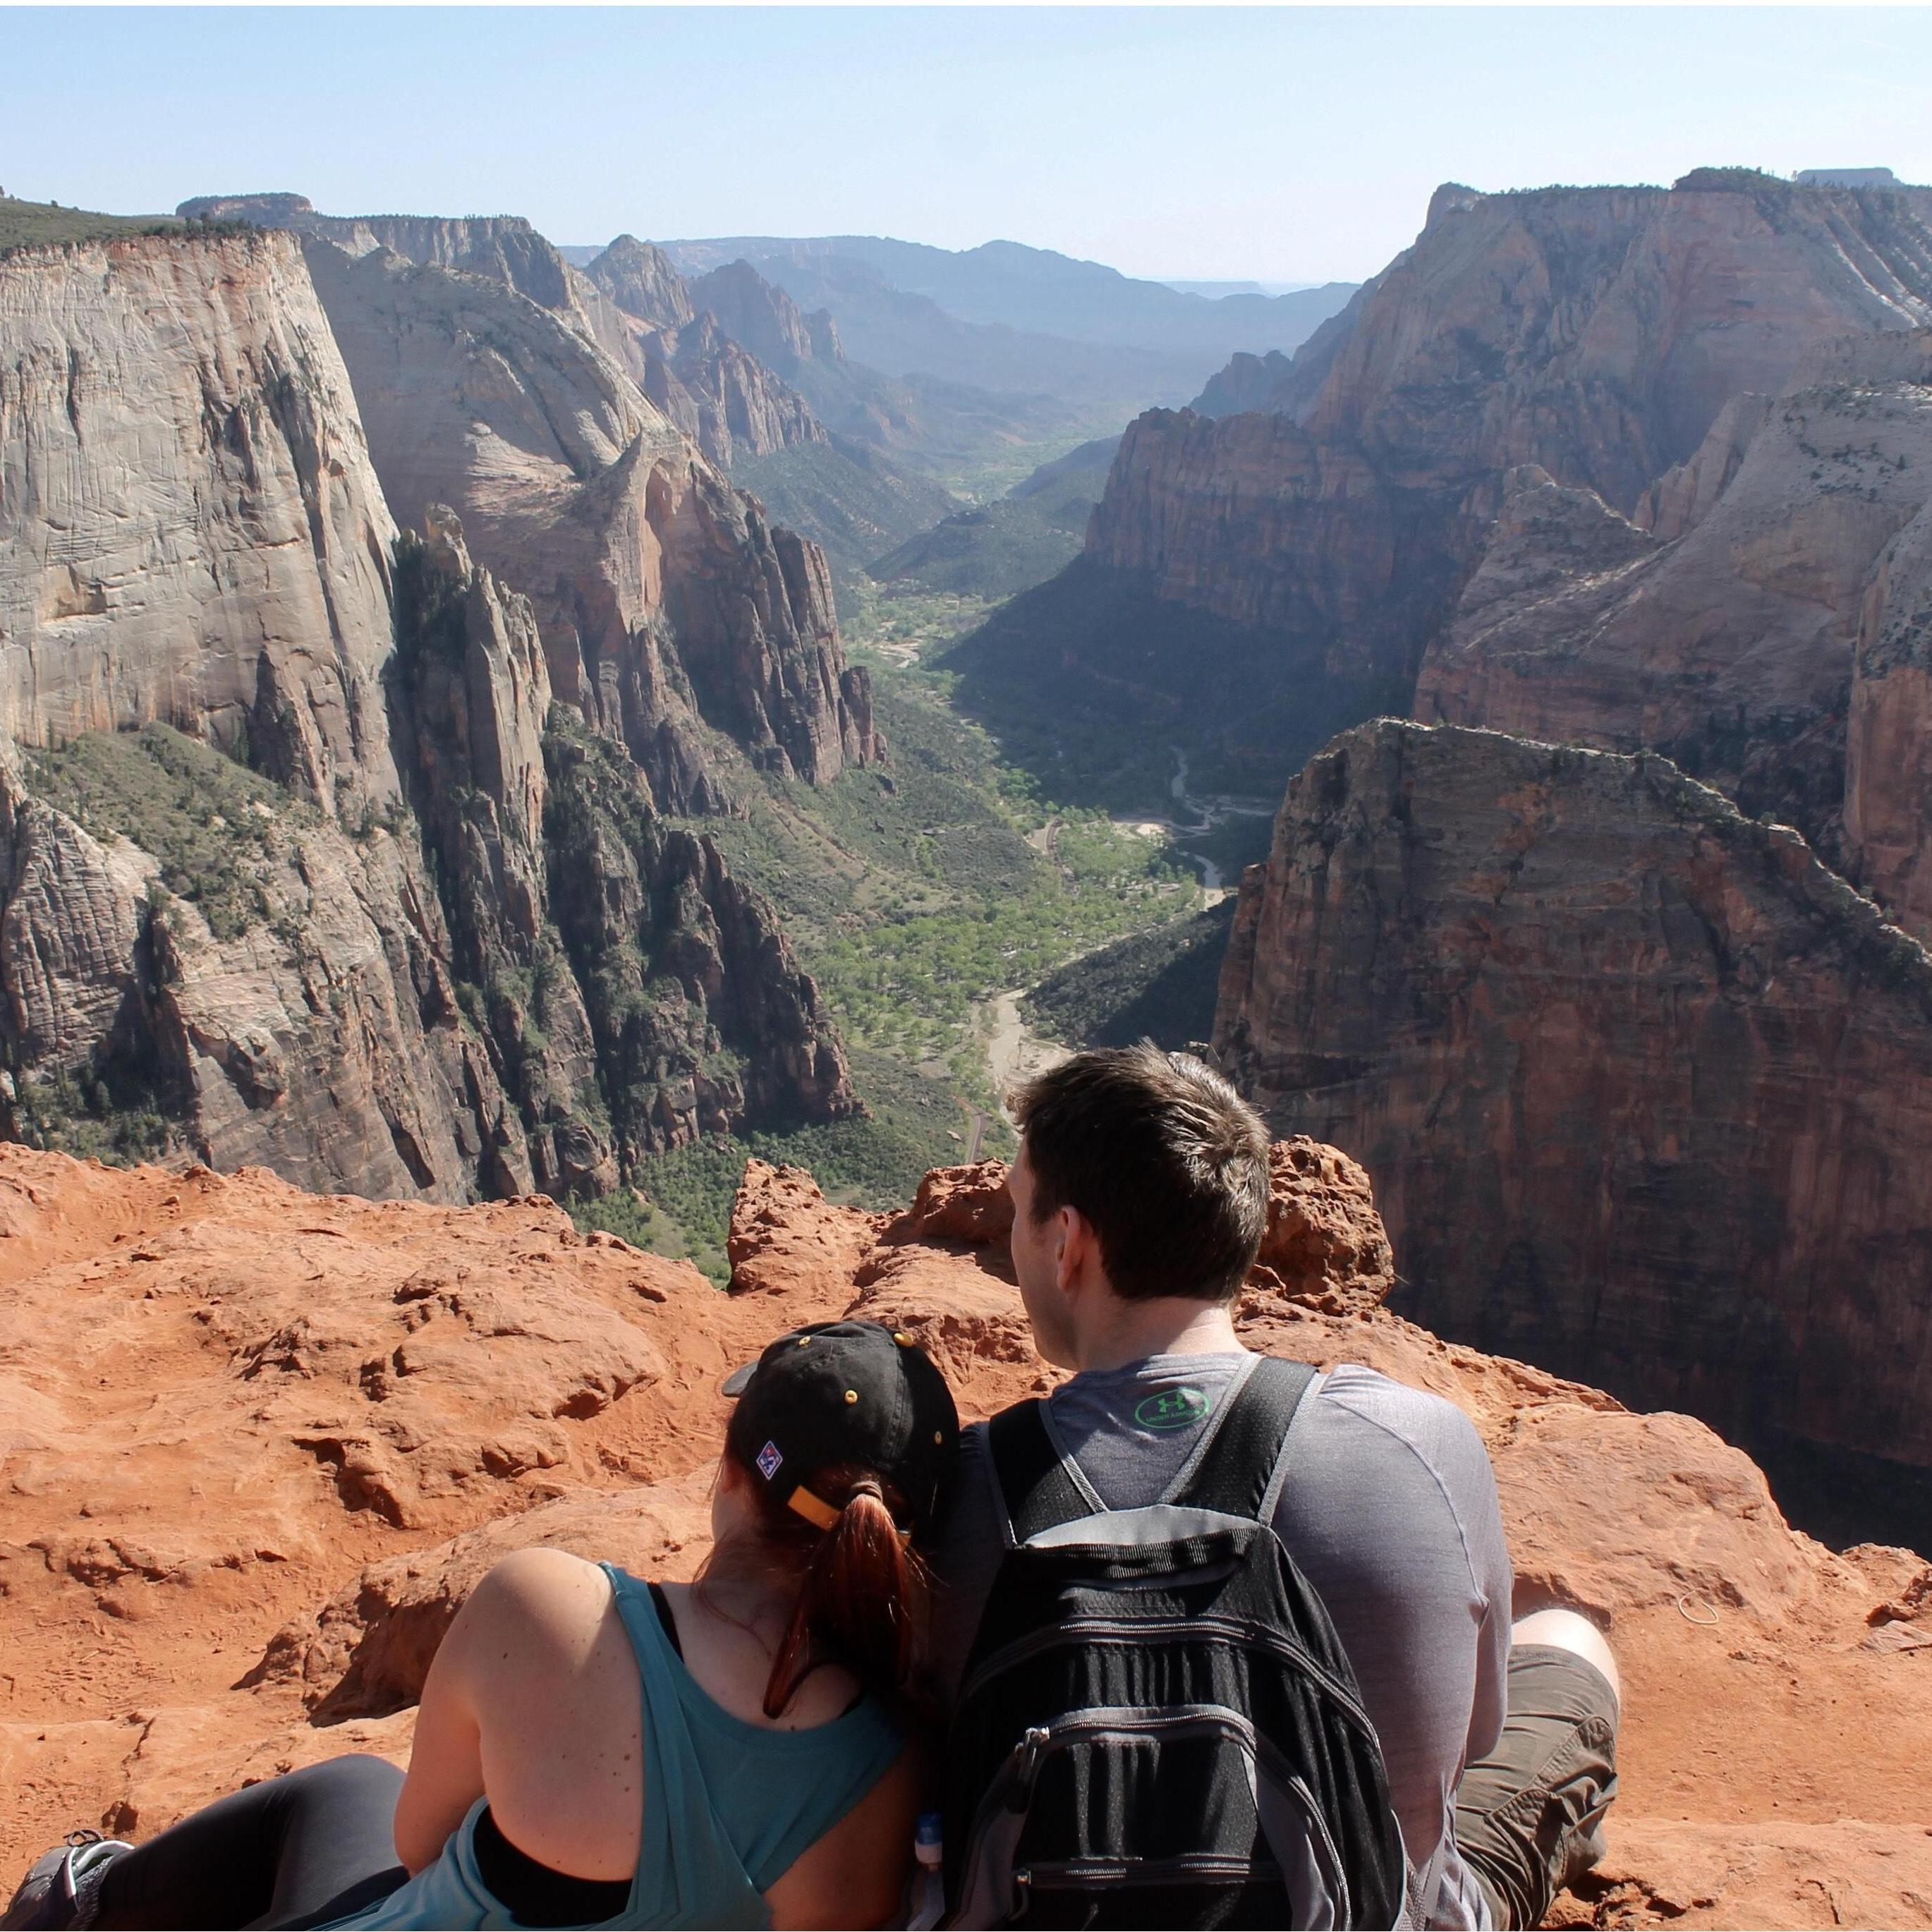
pixel 665 597
pixel 337 951
pixel 191 529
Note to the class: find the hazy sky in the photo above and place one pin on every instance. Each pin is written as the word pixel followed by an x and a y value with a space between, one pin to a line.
pixel 1286 144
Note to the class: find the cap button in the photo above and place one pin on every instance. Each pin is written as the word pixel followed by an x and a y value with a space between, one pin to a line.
pixel 851 1395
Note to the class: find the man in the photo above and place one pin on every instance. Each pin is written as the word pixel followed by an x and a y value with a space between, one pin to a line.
pixel 1140 1196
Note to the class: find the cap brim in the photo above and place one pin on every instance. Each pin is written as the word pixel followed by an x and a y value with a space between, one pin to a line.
pixel 739 1380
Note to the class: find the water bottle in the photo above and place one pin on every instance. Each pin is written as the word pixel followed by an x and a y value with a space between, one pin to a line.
pixel 928 1887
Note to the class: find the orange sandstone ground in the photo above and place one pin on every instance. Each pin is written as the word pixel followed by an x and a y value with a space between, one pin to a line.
pixel 255 1445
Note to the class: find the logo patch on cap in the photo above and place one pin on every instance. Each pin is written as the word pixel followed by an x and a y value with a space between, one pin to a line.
pixel 769 1459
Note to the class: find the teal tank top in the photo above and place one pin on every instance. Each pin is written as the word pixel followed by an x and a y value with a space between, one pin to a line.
pixel 728 1806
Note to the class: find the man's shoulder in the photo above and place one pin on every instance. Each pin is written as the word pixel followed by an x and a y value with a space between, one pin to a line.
pixel 1419 1416
pixel 1371 1449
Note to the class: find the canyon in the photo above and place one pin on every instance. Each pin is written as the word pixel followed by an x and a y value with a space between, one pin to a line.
pixel 726 358
pixel 242 1512
pixel 418 644
pixel 1625 1011
pixel 1736 621
pixel 1320 519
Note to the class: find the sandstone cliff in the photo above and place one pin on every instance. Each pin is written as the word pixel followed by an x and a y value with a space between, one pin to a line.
pixel 281 877
pixel 632 304
pixel 761 316
pixel 1641 1084
pixel 242 1513
pixel 1769 598
pixel 216 557
pixel 721 396
pixel 666 600
pixel 640 279
pixel 708 377
pixel 1597 333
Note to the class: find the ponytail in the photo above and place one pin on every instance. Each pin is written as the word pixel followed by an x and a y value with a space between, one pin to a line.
pixel 858 1602
pixel 861 1593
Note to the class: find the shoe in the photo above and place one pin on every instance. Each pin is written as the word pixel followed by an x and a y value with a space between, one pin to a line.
pixel 63 1888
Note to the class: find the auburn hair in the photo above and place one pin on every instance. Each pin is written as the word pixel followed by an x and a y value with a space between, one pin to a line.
pixel 862 1592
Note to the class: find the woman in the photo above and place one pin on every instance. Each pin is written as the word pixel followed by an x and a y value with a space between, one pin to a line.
pixel 594 1750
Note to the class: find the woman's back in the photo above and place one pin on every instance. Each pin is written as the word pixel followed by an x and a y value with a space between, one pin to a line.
pixel 607 1756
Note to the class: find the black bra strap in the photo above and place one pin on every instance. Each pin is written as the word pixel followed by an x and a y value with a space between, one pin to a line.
pixel 537 1893
pixel 661 1604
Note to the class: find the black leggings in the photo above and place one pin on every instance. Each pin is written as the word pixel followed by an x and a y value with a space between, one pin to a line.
pixel 300 1850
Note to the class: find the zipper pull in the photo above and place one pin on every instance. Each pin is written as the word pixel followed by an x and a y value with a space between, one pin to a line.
pixel 1033 1742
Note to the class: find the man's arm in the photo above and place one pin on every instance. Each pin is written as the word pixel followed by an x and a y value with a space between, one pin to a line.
pixel 966 1558
pixel 1496 1583
pixel 1390 1511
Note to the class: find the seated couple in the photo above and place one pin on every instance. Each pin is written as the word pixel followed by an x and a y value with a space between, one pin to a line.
pixel 755 1747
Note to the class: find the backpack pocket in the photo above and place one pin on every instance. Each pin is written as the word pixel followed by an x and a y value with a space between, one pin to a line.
pixel 1141 1815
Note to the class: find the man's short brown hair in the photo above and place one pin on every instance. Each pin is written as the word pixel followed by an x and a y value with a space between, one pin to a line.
pixel 1164 1159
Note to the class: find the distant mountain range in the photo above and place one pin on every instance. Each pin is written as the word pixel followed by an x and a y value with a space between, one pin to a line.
pixel 1003 316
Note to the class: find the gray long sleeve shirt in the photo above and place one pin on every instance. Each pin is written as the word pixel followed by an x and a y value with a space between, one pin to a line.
pixel 1389 1510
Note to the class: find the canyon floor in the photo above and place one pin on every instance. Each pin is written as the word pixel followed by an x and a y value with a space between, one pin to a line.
pixel 256 1445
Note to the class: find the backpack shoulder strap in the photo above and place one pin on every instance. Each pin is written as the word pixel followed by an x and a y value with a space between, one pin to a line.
pixel 1238 1473
pixel 1039 1489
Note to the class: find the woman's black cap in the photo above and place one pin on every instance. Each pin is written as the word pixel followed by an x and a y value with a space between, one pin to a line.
pixel 846 1392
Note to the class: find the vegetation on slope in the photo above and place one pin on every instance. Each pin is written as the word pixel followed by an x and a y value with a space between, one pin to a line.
pixel 852 500
pixel 206 818
pixel 1158 986
pixel 915 893
pixel 995 551
pixel 1008 545
pixel 1090 684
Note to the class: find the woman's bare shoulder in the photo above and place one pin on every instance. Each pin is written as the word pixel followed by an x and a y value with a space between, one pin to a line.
pixel 537 1593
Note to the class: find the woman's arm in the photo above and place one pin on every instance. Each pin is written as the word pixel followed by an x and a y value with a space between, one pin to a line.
pixel 533 1698
pixel 445 1775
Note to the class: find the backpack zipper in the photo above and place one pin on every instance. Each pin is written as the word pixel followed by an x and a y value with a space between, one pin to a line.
pixel 1072 1874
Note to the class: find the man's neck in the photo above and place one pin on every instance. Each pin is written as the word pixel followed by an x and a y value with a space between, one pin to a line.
pixel 1130 1331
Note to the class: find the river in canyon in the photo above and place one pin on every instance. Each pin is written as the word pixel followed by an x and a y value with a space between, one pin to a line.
pixel 1195 817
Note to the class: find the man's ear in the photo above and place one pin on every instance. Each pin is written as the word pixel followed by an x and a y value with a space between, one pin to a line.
pixel 1079 1244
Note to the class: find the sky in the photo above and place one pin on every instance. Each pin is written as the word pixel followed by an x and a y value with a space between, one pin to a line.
pixel 1282 144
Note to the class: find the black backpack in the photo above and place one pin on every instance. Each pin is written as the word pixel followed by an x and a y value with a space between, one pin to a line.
pixel 1157 1725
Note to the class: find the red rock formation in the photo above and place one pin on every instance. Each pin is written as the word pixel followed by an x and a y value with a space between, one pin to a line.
pixel 1325 1247
pixel 237 1531
pixel 1729 644
pixel 1597 333
pixel 1638 1081
pixel 1888 760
